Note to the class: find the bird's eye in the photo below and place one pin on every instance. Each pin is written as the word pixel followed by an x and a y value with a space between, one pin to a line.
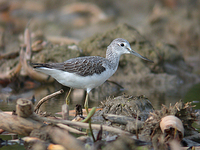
pixel 122 44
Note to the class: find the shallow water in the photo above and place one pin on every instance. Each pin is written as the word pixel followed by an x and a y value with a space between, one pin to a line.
pixel 8 97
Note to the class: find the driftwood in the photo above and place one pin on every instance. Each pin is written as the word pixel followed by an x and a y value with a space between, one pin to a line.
pixel 81 125
pixel 26 122
pixel 60 136
pixel 22 126
pixel 19 125
pixel 24 108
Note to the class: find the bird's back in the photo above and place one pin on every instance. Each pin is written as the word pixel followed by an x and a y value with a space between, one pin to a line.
pixel 83 66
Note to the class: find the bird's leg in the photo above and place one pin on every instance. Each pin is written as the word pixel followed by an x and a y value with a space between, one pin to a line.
pixel 86 103
pixel 67 98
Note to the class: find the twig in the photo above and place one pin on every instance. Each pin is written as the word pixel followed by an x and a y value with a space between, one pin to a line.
pixel 70 129
pixel 1 131
pixel 25 58
pixel 113 82
pixel 47 98
pixel 27 42
pixel 136 125
pixel 80 124
pixel 10 55
pixel 120 119
pixel 60 39
pixel 11 73
pixel 96 14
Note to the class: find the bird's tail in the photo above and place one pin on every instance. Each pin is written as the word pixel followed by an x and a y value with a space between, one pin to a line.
pixel 39 65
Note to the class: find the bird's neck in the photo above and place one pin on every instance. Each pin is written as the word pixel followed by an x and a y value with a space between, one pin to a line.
pixel 113 58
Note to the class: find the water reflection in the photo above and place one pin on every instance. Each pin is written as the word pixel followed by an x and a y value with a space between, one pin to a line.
pixel 193 95
pixel 156 96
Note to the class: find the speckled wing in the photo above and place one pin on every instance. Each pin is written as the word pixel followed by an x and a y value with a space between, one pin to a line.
pixel 83 66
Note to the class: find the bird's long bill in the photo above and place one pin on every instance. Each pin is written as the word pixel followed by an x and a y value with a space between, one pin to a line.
pixel 140 56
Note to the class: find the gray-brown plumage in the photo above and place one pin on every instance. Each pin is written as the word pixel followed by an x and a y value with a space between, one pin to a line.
pixel 92 64
pixel 91 71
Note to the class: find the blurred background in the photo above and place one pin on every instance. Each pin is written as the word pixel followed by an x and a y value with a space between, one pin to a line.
pixel 174 22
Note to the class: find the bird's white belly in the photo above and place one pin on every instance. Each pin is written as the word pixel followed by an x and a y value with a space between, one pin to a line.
pixel 77 81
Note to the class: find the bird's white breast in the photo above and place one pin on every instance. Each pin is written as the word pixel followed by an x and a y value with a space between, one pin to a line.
pixel 76 81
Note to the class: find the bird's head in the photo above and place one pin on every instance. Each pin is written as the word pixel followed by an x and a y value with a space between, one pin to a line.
pixel 122 46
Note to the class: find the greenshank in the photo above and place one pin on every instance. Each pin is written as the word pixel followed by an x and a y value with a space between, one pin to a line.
pixel 90 71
